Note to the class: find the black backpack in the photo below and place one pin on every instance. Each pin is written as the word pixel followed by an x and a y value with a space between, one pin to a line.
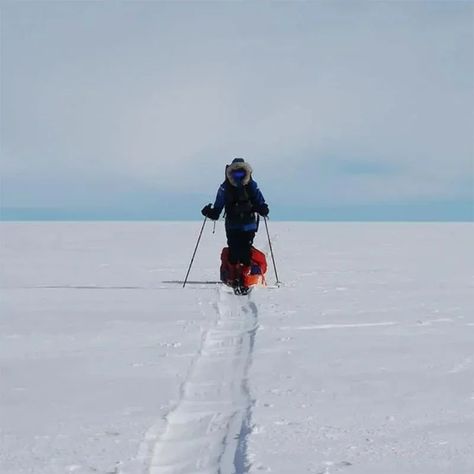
pixel 238 203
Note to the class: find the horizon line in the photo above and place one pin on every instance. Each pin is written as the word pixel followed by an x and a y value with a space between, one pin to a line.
pixel 441 221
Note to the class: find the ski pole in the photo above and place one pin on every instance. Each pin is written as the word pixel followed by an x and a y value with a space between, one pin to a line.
pixel 271 251
pixel 195 250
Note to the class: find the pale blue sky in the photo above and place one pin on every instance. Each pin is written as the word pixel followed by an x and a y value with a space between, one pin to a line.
pixel 346 110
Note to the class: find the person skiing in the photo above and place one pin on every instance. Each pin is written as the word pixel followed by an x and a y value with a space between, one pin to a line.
pixel 242 199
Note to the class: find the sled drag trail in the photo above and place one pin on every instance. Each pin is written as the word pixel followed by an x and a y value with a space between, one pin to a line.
pixel 206 432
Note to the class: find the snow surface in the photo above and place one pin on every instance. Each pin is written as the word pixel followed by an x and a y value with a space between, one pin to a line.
pixel 362 362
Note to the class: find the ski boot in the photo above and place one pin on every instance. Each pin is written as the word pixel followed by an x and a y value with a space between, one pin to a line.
pixel 240 287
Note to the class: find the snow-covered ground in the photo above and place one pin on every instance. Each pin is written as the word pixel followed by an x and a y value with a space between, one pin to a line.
pixel 362 362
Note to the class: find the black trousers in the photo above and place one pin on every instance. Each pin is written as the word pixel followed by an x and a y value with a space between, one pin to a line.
pixel 240 244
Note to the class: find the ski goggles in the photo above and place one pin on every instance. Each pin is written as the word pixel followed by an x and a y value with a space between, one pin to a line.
pixel 238 174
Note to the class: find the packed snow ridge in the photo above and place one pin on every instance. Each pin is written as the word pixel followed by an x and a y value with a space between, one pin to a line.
pixel 206 432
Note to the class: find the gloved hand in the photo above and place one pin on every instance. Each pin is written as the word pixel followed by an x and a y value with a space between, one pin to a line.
pixel 209 212
pixel 263 210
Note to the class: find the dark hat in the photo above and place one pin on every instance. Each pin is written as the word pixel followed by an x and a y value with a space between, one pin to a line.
pixel 238 160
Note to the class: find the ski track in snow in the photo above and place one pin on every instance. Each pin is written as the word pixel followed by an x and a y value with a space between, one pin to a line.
pixel 207 431
pixel 338 326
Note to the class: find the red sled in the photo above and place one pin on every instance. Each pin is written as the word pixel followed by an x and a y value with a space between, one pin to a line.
pixel 238 275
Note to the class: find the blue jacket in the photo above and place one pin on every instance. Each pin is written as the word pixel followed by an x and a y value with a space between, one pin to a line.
pixel 225 198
